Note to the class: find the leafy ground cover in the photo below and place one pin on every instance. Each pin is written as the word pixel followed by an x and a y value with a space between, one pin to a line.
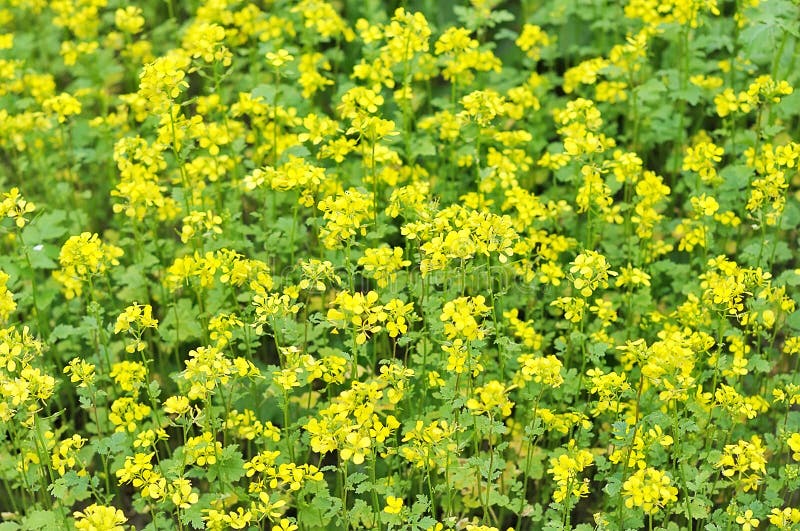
pixel 420 265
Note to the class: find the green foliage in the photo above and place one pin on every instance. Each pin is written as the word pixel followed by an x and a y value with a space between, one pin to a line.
pixel 336 265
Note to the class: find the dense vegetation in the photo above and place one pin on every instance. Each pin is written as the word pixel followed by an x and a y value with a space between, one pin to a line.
pixel 429 265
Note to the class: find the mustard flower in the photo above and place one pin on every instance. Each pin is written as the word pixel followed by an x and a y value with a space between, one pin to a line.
pixel 747 521
pixel 459 317
pixel 285 525
pixel 7 304
pixel 181 493
pixel 63 106
pixel 16 207
pixel 491 398
pixel 393 505
pixel 794 445
pixel 99 518
pixel 744 462
pixel 649 489
pixel 590 271
pixel 786 518
pixel 81 372
pixel 566 468
pixel 279 58
pixel 129 19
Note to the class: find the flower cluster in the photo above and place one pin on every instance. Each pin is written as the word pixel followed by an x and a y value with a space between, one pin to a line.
pixel 314 264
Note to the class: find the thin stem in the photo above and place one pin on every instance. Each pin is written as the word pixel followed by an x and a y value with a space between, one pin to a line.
pixel 625 464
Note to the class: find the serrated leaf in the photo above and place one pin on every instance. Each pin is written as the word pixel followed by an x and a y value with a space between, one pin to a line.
pixel 360 511
pixel 71 487
pixel 420 505
pixel 62 331
pixel 265 92
pixel 700 507
pixel 356 478
pixel 185 327
pixel 194 514
pixel 39 258
pixel 42 521
pixel 47 227
pixel 793 320
pixel 499 499
pixel 230 465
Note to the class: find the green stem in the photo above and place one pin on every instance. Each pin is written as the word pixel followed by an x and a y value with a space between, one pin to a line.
pixel 43 329
pixel 376 509
pixel 630 449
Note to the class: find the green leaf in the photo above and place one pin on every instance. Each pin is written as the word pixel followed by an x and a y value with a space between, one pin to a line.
pixel 793 320
pixel 355 479
pixel 360 512
pixel 422 147
pixel 787 278
pixel 700 507
pixel 42 521
pixel 62 331
pixel 791 216
pixel 265 92
pixel 194 514
pixel 71 487
pixel 185 327
pixel 40 257
pixel 230 465
pixel 49 226
pixel 650 91
pixel 421 505
pixel 499 499
pixel 736 177
pixel 132 284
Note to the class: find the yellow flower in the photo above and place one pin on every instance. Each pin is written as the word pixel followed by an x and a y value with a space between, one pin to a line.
pixel 182 495
pixel 794 444
pixel 541 369
pixel 176 405
pixel 99 518
pixel 202 449
pixel 747 521
pixel 383 263
pixel 63 106
pixel 787 518
pixel 491 398
pixel 359 311
pixel 129 375
pixel 393 505
pixel 141 317
pixel 589 272
pixel 483 106
pixel 240 518
pixel 459 315
pixel 285 525
pixel 649 489
pixel 531 40
pixel 82 258
pixel 81 372
pixel 129 19
pixel 565 469
pixel 126 412
pixel 279 58
pixel 346 215
pixel 744 462
pixel 357 447
pixel 64 454
pixel 14 206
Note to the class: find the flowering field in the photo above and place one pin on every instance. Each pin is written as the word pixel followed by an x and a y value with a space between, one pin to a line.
pixel 399 265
